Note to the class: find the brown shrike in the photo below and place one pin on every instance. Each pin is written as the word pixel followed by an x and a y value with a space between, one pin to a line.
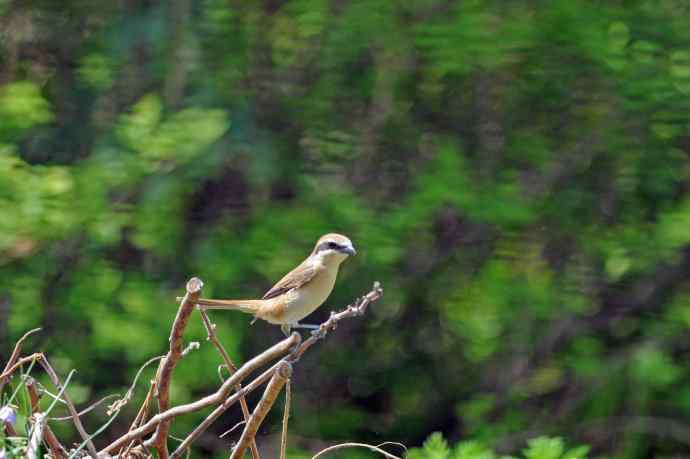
pixel 301 291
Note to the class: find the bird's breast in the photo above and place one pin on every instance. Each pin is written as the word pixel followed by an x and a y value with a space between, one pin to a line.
pixel 305 299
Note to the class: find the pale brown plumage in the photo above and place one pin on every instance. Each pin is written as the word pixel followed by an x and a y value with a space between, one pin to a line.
pixel 300 291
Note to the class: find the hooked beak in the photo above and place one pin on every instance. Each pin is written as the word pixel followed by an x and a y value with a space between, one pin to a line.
pixel 349 250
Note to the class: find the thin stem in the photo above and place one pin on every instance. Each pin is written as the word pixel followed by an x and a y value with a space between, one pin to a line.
pixel 169 363
pixel 277 350
pixel 354 445
pixel 36 436
pixel 15 355
pixel 280 377
pixel 70 406
pixel 57 451
pixel 286 416
pixel 220 409
pixel 211 336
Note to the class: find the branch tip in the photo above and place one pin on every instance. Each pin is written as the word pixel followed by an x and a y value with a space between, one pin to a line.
pixel 284 369
pixel 194 285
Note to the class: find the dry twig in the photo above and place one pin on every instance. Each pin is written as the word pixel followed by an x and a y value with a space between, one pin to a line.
pixel 232 429
pixel 119 403
pixel 70 406
pixel 35 357
pixel 358 308
pixel 86 410
pixel 355 309
pixel 290 349
pixel 218 397
pixel 355 445
pixel 14 356
pixel 280 377
pixel 286 416
pixel 220 409
pixel 211 336
pixel 57 451
pixel 167 365
pixel 139 418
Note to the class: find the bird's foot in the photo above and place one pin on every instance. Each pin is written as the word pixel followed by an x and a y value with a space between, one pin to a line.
pixel 308 326
pixel 319 332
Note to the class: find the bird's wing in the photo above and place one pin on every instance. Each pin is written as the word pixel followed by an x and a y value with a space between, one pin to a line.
pixel 294 279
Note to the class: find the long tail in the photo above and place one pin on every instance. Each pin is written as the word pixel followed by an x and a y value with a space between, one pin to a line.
pixel 248 306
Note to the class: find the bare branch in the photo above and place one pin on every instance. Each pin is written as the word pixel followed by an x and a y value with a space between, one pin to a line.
pixel 70 406
pixel 280 377
pixel 118 404
pixel 232 429
pixel 14 356
pixel 220 396
pixel 211 336
pixel 290 349
pixel 86 410
pixel 57 451
pixel 227 403
pixel 139 418
pixel 358 308
pixel 30 358
pixel 355 445
pixel 286 416
pixel 168 364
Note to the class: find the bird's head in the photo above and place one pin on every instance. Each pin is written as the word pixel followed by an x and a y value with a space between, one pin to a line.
pixel 333 247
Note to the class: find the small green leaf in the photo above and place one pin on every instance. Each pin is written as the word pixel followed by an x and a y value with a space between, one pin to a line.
pixel 579 452
pixel 435 447
pixel 544 448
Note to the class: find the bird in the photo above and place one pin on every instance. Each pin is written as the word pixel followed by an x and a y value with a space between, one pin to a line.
pixel 301 291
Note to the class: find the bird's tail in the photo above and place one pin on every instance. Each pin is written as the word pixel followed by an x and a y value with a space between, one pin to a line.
pixel 248 306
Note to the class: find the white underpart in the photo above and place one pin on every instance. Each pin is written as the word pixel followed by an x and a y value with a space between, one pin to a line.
pixel 306 299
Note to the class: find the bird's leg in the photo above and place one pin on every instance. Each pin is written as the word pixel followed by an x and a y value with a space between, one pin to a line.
pixel 285 328
pixel 307 326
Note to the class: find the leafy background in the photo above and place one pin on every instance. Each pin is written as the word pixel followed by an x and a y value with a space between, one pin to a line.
pixel 514 173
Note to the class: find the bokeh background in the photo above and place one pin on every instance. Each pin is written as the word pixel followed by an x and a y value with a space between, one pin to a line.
pixel 514 173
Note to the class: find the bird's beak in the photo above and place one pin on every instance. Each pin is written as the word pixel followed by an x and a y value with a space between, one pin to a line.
pixel 349 250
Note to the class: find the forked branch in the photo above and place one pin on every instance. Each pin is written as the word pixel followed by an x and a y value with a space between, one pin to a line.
pixel 211 336
pixel 289 351
pixel 167 365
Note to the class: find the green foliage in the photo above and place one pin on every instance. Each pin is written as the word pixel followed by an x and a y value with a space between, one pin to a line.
pixel 436 447
pixel 21 107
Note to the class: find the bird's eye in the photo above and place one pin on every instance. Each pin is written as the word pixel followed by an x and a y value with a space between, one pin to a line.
pixel 332 245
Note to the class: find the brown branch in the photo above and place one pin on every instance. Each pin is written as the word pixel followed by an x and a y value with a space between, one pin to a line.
pixel 220 409
pixel 29 358
pixel 14 356
pixel 139 418
pixel 286 416
pixel 70 406
pixel 168 364
pixel 121 402
pixel 356 445
pixel 220 396
pixel 280 377
pixel 86 410
pixel 232 429
pixel 211 336
pixel 358 308
pixel 57 451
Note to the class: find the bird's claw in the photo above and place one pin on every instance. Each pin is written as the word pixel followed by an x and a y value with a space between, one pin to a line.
pixel 319 333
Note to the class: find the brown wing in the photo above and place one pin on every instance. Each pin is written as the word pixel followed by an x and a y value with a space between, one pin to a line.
pixel 294 279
